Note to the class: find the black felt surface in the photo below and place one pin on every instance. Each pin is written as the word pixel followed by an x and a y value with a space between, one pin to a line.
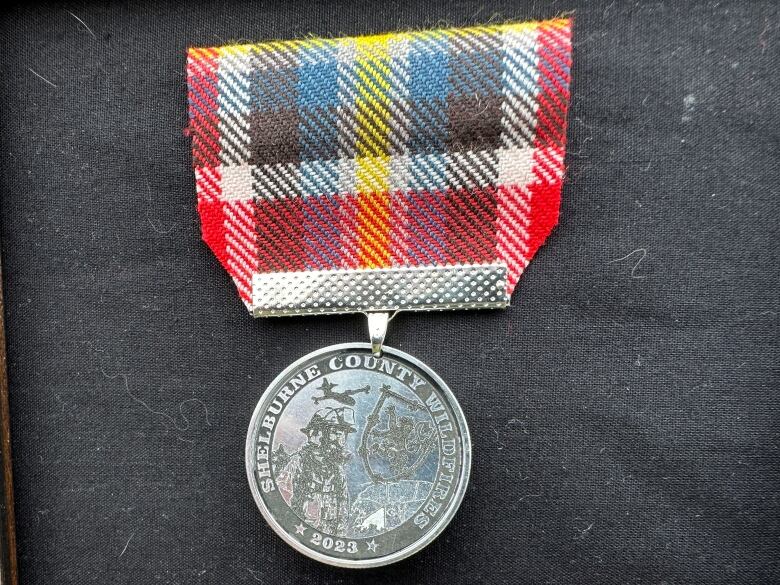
pixel 624 411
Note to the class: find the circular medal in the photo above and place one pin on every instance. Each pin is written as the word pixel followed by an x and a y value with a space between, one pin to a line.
pixel 357 460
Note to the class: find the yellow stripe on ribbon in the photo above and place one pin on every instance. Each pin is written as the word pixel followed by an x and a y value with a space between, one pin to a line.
pixel 372 174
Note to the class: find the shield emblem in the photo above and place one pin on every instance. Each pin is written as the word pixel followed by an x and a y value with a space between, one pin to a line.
pixel 397 438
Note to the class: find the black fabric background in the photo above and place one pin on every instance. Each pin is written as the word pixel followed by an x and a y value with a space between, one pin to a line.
pixel 624 413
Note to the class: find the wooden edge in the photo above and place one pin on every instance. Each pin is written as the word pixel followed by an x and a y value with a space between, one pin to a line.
pixel 9 572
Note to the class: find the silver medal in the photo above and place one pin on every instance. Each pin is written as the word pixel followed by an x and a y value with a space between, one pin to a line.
pixel 358 455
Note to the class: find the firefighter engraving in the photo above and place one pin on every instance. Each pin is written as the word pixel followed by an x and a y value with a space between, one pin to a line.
pixel 313 482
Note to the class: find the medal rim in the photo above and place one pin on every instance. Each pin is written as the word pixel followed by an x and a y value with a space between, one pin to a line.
pixel 410 549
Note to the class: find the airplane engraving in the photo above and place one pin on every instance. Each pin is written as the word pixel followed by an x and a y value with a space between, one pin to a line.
pixel 344 397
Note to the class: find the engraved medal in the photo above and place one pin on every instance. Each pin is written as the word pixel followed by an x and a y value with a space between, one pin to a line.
pixel 358 460
pixel 402 172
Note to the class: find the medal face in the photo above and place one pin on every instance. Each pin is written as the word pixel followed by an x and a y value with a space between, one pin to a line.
pixel 356 460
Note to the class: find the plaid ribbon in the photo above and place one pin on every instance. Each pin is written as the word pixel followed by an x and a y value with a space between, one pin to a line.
pixel 408 153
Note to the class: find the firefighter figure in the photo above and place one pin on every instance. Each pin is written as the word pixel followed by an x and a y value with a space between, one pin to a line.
pixel 313 482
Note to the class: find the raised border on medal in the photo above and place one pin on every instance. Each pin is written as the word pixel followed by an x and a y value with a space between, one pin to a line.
pixel 416 288
pixel 439 525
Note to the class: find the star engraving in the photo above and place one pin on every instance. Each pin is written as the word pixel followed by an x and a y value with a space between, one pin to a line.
pixel 300 528
pixel 371 544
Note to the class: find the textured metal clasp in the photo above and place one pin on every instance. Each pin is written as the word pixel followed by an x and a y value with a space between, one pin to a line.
pixel 377 329
pixel 376 290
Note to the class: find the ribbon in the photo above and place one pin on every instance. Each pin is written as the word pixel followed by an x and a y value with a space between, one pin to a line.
pixel 413 170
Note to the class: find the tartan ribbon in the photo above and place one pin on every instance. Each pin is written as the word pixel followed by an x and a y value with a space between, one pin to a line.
pixel 412 153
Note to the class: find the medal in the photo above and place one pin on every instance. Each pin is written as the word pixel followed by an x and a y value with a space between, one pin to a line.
pixel 358 460
pixel 403 172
